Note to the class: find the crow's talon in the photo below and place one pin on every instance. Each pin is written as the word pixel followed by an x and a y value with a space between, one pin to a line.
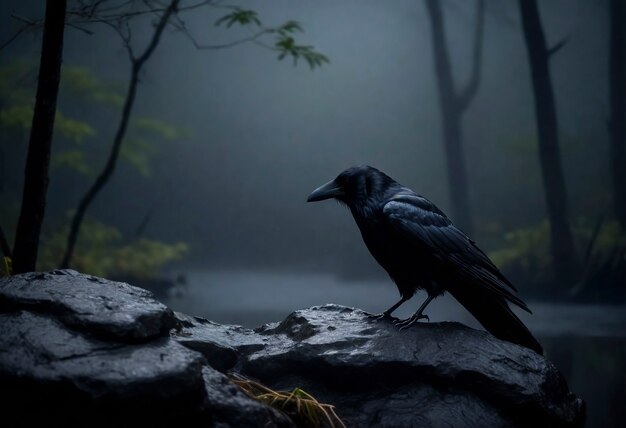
pixel 379 317
pixel 404 324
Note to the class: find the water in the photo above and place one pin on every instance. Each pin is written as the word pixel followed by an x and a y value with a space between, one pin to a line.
pixel 586 342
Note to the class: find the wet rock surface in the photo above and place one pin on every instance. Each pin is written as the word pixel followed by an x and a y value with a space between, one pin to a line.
pixel 76 350
pixel 430 375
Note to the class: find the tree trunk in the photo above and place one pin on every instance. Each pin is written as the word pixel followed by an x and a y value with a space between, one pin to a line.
pixel 561 240
pixel 109 168
pixel 38 158
pixel 453 104
pixel 617 97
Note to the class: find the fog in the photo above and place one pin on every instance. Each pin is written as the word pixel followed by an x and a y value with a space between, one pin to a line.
pixel 257 135
pixel 261 134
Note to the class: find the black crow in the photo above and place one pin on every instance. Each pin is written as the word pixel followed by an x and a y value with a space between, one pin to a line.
pixel 420 248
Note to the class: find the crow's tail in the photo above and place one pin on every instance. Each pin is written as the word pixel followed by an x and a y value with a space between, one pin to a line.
pixel 493 312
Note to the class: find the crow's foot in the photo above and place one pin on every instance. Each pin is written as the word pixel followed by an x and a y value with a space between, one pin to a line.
pixel 402 324
pixel 382 316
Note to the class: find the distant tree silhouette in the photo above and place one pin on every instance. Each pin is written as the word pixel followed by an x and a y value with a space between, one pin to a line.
pixel 38 158
pixel 617 100
pixel 561 241
pixel 453 103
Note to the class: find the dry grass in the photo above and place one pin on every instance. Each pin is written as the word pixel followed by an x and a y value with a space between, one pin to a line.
pixel 301 406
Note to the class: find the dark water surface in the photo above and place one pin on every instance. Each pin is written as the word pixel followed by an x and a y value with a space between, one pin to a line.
pixel 586 342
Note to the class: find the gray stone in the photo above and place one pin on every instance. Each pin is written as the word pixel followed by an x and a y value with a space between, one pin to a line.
pixel 88 303
pixel 230 406
pixel 438 373
pixel 79 350
pixel 71 359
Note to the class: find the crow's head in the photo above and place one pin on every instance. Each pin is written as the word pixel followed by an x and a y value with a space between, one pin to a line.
pixel 354 185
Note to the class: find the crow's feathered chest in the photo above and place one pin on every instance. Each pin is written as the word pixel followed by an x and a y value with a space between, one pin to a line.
pixel 406 262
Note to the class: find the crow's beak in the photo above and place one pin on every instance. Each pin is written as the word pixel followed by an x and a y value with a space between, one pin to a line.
pixel 327 191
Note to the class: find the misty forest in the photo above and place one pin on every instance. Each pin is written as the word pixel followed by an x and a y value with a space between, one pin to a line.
pixel 172 145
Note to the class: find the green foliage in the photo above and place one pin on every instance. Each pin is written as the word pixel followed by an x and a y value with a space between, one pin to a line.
pixel 527 250
pixel 73 130
pixel 239 16
pixel 143 258
pixel 101 251
pixel 136 152
pixel 80 81
pixel 157 128
pixel 73 160
pixel 7 267
pixel 139 146
pixel 19 117
pixel 143 134
pixel 287 46
pixel 285 42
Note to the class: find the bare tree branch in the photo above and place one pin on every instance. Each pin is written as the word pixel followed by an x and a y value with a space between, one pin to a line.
pixel 554 49
pixel 182 28
pixel 469 92
pixel 136 65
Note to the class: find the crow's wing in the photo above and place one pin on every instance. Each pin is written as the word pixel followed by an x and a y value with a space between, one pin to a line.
pixel 420 221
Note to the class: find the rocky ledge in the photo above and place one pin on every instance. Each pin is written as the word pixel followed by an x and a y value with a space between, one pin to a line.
pixel 81 350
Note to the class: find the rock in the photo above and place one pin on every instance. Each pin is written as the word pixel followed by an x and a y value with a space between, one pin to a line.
pixel 81 350
pixel 229 406
pixel 88 303
pixel 430 375
pixel 71 358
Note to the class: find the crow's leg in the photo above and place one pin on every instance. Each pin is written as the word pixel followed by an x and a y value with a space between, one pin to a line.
pixel 416 316
pixel 388 312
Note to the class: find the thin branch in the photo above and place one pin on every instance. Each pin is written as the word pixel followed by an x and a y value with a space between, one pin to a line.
pixel 554 49
pixel 182 28
pixel 15 36
pixel 105 174
pixel 28 25
pixel 84 30
pixel 24 20
pixel 469 92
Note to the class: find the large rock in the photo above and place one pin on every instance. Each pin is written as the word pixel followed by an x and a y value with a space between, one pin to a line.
pixel 430 375
pixel 80 350
pixel 88 303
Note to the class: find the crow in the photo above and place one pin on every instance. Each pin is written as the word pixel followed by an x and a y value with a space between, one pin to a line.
pixel 421 249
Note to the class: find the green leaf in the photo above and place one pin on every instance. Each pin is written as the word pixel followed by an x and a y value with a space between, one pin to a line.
pixel 74 130
pixel 74 160
pixel 157 128
pixel 239 16
pixel 17 117
pixel 137 153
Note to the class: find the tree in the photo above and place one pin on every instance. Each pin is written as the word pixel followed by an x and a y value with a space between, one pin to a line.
pixel 453 104
pixel 118 15
pixel 617 100
pixel 136 66
pixel 38 159
pixel 285 45
pixel 561 241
